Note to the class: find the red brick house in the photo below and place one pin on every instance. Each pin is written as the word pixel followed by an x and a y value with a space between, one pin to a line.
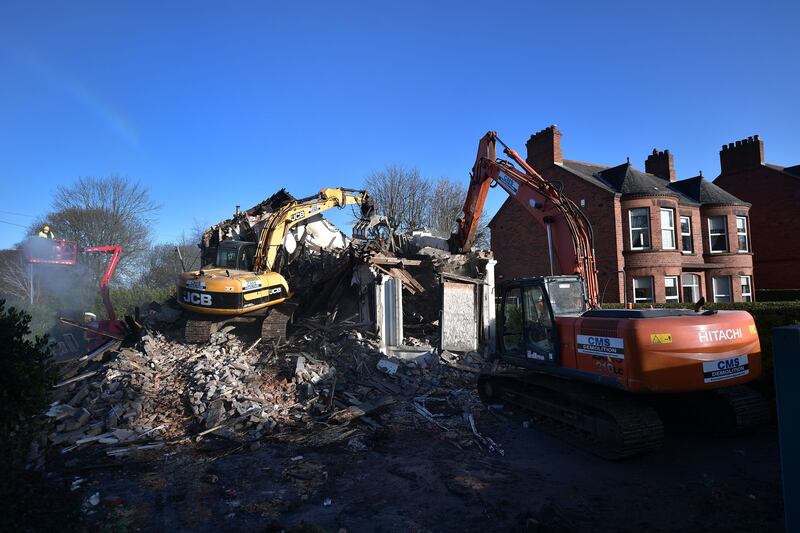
pixel 774 192
pixel 656 239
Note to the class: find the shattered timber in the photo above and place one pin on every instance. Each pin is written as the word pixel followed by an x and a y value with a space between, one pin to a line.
pixel 364 403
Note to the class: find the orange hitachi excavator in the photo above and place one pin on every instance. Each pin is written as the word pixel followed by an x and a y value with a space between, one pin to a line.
pixel 584 371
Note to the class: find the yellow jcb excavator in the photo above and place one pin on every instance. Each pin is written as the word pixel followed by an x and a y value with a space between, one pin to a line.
pixel 245 284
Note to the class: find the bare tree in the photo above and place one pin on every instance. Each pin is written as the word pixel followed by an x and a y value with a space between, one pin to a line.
pixel 446 203
pixel 14 275
pixel 411 202
pixel 163 265
pixel 104 211
pixel 401 194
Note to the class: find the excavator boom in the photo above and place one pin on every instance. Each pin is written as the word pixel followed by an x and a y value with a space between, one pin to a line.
pixel 115 252
pixel 293 213
pixel 569 231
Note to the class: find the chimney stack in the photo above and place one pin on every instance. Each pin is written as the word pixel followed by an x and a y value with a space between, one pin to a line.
pixel 544 148
pixel 741 155
pixel 661 164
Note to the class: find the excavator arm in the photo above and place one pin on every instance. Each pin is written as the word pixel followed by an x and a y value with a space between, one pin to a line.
pixel 115 252
pixel 295 212
pixel 569 231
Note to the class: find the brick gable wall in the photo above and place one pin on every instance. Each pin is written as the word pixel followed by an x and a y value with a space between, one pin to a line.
pixel 774 223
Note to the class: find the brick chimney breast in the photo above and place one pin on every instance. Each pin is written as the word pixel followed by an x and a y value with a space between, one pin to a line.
pixel 744 154
pixel 661 164
pixel 544 148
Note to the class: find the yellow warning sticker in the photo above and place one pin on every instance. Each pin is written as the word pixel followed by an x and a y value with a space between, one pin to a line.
pixel 753 330
pixel 661 338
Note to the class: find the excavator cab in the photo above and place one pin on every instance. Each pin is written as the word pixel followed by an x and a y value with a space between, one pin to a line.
pixel 236 255
pixel 528 335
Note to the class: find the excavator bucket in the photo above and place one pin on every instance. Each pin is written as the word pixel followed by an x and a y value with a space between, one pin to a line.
pixel 362 228
pixel 369 220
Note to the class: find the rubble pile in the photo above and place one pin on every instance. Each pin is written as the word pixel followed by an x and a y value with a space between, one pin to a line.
pixel 363 355
pixel 329 384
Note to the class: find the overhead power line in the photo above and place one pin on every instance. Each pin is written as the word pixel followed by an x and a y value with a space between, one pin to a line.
pixel 13 224
pixel 17 214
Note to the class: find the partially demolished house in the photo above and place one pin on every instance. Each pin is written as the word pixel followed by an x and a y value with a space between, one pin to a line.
pixel 408 289
pixel 424 291
pixel 373 340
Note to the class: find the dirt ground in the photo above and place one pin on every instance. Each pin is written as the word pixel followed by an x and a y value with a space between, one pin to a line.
pixel 411 479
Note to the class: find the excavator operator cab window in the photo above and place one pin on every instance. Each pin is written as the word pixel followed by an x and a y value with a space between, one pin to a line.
pixel 528 324
pixel 538 325
pixel 236 255
pixel 512 320
pixel 567 296
pixel 246 257
pixel 226 257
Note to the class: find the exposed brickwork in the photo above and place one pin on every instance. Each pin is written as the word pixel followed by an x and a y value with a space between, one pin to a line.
pixel 544 148
pixel 661 164
pixel 774 215
pixel 742 155
pixel 520 244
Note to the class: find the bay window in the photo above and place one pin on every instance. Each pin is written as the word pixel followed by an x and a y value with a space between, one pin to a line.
pixel 671 289
pixel 747 288
pixel 667 229
pixel 686 235
pixel 643 289
pixel 691 287
pixel 717 234
pixel 639 219
pixel 741 234
pixel 722 289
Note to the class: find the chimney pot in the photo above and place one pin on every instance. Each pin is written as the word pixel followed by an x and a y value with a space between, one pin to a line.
pixel 661 164
pixel 744 154
pixel 544 148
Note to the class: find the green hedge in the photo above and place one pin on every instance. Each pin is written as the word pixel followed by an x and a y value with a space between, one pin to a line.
pixel 126 300
pixel 778 295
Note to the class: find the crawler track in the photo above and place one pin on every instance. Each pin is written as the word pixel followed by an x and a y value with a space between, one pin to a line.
pixel 735 410
pixel 277 321
pixel 198 331
pixel 602 421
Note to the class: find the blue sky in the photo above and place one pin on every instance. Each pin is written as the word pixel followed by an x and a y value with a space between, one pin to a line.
pixel 213 104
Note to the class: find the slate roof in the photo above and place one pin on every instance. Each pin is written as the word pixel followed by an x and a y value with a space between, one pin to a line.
pixel 625 179
pixel 703 191
pixel 793 171
pixel 588 172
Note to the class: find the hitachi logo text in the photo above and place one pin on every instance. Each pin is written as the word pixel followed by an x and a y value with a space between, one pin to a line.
pixel 714 335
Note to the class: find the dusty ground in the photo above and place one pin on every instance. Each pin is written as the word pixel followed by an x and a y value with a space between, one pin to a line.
pixel 413 480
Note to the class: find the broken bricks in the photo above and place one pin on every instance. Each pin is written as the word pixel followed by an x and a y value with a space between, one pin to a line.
pixel 328 383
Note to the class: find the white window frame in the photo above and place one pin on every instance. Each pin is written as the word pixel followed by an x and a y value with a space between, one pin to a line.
pixel 669 230
pixel 740 234
pixel 652 290
pixel 718 296
pixel 645 229
pixel 672 299
pixel 747 296
pixel 696 283
pixel 724 233
pixel 689 234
